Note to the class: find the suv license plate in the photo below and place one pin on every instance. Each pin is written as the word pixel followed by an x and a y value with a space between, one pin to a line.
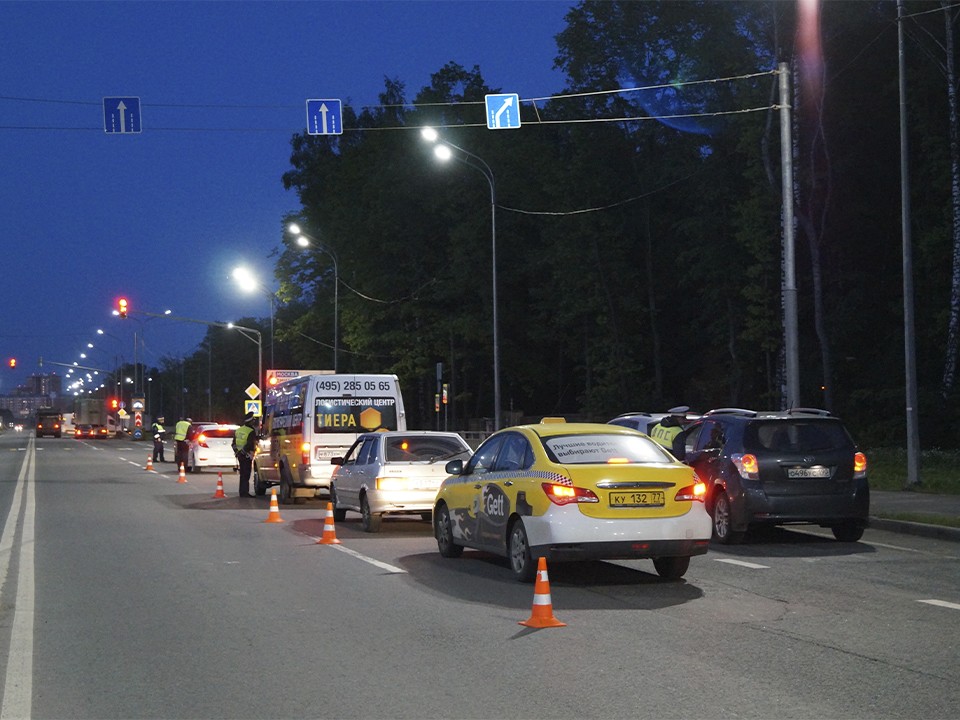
pixel 636 499
pixel 814 472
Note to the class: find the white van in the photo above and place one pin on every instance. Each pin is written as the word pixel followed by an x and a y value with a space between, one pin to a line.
pixel 309 419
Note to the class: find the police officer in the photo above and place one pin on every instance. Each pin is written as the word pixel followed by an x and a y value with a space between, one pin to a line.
pixel 180 431
pixel 244 446
pixel 158 435
pixel 667 431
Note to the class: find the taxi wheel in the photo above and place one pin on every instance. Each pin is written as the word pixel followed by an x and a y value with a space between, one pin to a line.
pixel 671 568
pixel 518 552
pixel 370 522
pixel 443 529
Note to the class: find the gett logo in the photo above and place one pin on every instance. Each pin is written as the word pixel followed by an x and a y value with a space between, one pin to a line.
pixel 494 502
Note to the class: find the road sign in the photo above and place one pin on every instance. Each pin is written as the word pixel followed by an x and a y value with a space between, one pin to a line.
pixel 121 115
pixel 324 117
pixel 253 406
pixel 252 391
pixel 503 111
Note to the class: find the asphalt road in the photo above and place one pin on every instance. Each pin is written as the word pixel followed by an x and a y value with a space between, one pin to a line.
pixel 126 594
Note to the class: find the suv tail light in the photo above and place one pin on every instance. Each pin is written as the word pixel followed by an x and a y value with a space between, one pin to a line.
pixel 859 466
pixel 566 494
pixel 747 466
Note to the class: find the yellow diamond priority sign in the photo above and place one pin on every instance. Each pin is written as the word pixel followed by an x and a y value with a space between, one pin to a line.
pixel 253 392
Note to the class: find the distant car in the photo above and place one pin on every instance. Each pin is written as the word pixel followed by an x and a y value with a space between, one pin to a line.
pixel 779 468
pixel 644 421
pixel 210 445
pixel 393 473
pixel 88 432
pixel 573 491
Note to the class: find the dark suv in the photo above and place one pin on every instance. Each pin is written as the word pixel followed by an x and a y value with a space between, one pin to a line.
pixel 778 468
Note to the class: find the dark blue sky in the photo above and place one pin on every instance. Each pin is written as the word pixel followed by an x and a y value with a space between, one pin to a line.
pixel 163 216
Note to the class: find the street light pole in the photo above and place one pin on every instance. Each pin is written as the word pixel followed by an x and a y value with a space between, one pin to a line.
pixel 248 282
pixel 443 152
pixel 305 240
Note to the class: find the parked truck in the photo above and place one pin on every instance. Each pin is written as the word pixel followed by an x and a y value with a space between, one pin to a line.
pixel 91 419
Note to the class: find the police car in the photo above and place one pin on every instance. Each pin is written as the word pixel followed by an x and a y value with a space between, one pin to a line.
pixel 573 491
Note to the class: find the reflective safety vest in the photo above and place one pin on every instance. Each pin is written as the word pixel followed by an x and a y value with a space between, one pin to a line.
pixel 158 429
pixel 180 433
pixel 241 437
pixel 665 435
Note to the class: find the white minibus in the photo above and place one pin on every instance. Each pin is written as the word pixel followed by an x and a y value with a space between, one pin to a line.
pixel 312 417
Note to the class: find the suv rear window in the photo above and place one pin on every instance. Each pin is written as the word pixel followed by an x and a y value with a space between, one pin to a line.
pixel 796 436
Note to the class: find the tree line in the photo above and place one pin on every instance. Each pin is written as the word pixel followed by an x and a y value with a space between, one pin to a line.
pixel 638 232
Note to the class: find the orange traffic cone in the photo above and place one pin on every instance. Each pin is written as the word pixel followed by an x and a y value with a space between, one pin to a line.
pixel 274 516
pixel 183 475
pixel 219 493
pixel 149 463
pixel 542 615
pixel 329 536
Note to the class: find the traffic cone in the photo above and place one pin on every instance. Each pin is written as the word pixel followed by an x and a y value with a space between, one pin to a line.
pixel 274 516
pixel 542 615
pixel 329 536
pixel 183 475
pixel 219 493
pixel 149 463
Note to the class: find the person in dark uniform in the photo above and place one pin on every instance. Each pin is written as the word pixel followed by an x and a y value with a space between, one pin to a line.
pixel 244 446
pixel 159 434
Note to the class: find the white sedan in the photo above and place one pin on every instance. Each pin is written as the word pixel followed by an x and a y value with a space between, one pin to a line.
pixel 211 446
pixel 393 472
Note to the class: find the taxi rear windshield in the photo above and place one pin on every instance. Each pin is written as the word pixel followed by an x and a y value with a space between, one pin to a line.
pixel 355 415
pixel 603 449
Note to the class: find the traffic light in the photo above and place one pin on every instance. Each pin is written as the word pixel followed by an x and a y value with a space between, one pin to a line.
pixel 122 307
pixel 13 362
pixel 114 403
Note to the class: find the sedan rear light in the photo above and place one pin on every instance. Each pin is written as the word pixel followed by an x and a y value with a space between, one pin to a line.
pixel 859 466
pixel 202 440
pixel 747 466
pixel 566 494
pixel 692 493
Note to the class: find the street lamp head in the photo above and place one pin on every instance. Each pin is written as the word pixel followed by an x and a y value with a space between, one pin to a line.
pixel 293 228
pixel 443 152
pixel 302 241
pixel 246 280
pixel 429 134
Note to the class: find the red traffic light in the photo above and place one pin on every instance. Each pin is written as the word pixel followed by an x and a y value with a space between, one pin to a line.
pixel 122 307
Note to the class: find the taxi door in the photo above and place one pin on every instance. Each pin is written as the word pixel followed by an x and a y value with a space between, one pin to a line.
pixel 465 491
pixel 504 490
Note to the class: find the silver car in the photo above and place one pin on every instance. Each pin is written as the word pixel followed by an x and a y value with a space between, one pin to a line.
pixel 393 473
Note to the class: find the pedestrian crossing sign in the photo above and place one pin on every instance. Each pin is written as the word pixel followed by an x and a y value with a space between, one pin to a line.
pixel 253 406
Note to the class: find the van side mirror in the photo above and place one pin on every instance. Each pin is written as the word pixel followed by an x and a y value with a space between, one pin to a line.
pixel 454 467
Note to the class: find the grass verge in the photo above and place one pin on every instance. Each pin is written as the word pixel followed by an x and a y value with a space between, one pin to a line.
pixel 939 470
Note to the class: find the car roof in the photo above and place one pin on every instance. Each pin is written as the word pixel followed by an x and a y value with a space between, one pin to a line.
pixel 792 413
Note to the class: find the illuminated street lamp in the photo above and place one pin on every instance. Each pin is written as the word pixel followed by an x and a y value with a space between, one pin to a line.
pixel 304 240
pixel 248 283
pixel 443 149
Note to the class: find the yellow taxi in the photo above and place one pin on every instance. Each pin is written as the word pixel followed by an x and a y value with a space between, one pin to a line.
pixel 573 491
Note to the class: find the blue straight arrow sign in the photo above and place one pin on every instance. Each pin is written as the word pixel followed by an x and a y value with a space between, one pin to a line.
pixel 324 117
pixel 121 115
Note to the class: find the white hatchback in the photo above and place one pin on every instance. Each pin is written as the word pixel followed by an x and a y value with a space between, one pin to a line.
pixel 393 473
pixel 211 446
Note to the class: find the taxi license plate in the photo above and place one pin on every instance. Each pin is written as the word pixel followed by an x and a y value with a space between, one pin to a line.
pixel 814 472
pixel 637 498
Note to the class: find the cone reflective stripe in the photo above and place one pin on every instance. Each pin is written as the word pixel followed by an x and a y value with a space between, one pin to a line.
pixel 183 475
pixel 149 463
pixel 219 493
pixel 542 614
pixel 274 516
pixel 329 531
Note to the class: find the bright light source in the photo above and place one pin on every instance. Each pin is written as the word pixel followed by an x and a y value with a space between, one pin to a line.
pixel 429 134
pixel 302 241
pixel 245 278
pixel 443 152
pixel 294 229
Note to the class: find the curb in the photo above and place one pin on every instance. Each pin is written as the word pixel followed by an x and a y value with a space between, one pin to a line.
pixel 938 532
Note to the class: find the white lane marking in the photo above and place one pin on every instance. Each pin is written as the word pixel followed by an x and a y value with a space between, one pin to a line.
pixel 360 556
pixel 941 603
pixel 742 563
pixel 18 683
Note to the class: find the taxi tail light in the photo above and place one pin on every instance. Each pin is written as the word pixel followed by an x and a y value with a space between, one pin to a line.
pixel 692 493
pixel 305 454
pixel 859 466
pixel 566 494
pixel 747 466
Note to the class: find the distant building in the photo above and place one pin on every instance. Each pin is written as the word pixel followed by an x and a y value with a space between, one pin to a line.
pixel 39 391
